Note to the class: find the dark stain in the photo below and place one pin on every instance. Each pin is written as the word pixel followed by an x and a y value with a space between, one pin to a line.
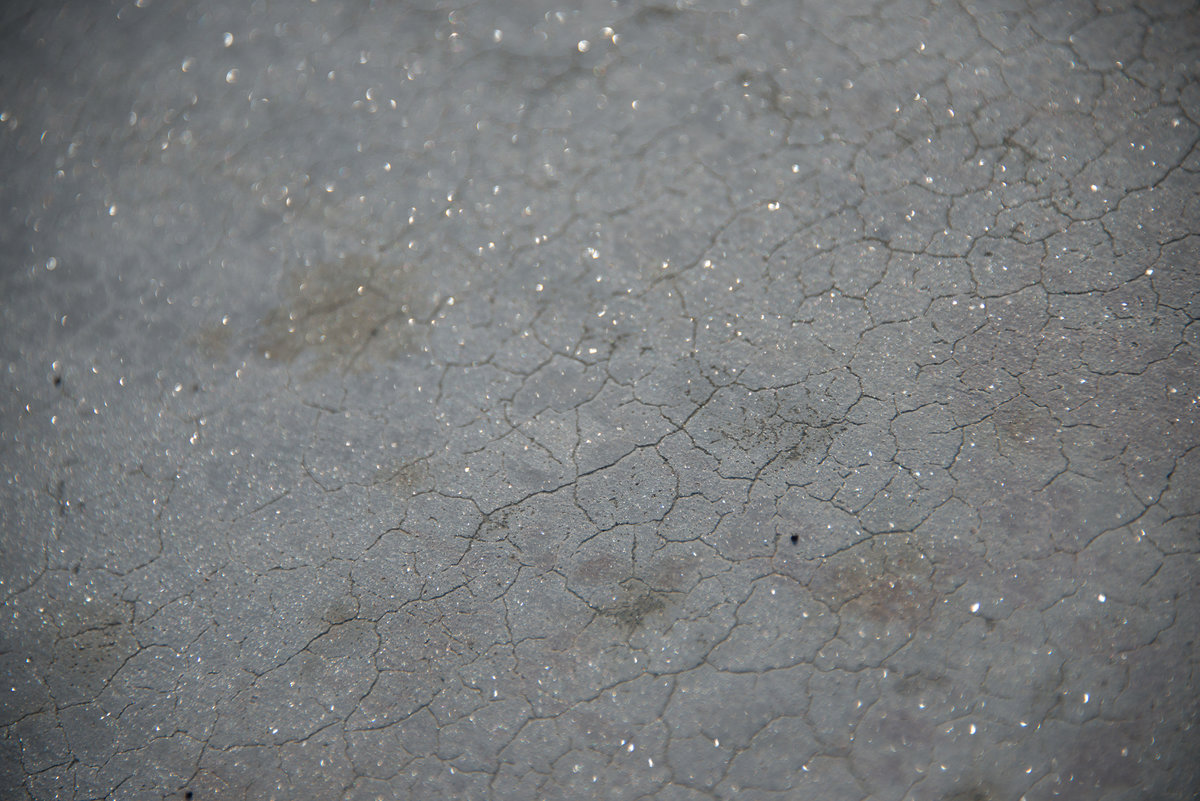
pixel 895 599
pixel 213 341
pixel 495 525
pixel 407 479
pixel 343 314
pixel 341 610
pixel 600 570
pixel 884 582
pixel 58 491
pixel 1022 423
pixel 637 603
pixel 672 574
pixel 814 444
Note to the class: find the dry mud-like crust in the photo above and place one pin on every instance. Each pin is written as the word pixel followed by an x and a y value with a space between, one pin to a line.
pixel 795 400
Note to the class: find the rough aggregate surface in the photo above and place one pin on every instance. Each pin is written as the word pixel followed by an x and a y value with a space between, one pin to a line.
pixel 759 400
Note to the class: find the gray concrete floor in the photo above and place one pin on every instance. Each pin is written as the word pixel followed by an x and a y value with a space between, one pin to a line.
pixel 761 400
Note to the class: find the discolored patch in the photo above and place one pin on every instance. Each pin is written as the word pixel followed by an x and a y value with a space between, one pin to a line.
pixel 878 582
pixel 635 606
pixel 340 610
pixel 344 313
pixel 213 341
pixel 408 479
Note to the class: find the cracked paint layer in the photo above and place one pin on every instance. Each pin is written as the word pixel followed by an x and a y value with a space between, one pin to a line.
pixel 675 401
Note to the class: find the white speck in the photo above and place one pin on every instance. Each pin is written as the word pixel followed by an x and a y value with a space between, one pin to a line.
pixel 716 743
pixel 1087 697
pixel 975 608
pixel 187 64
pixel 971 728
pixel 1095 188
pixel 497 36
pixel 1101 597
pixel 228 39
pixel 584 45
pixel 51 264
pixel 231 76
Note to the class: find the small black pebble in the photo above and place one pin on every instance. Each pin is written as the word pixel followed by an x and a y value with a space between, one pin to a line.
pixel 795 538
pixel 188 795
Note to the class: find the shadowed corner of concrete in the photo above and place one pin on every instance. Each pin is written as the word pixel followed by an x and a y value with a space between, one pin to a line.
pixel 684 401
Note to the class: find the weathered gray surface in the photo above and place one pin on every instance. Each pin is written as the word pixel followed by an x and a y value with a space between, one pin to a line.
pixel 791 402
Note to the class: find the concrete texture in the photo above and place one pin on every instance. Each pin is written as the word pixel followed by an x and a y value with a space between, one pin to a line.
pixel 774 400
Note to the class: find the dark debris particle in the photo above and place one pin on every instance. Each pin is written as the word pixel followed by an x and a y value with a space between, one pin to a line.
pixel 795 539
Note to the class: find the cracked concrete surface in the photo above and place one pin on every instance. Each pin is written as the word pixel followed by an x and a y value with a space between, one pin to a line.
pixel 767 400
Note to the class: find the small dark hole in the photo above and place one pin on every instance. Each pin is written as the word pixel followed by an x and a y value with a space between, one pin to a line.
pixel 195 387
pixel 188 795
pixel 795 538
pixel 57 380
